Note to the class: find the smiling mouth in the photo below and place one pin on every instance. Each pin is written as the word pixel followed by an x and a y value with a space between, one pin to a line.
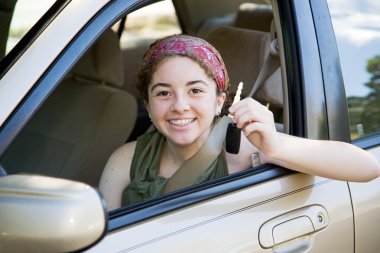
pixel 181 122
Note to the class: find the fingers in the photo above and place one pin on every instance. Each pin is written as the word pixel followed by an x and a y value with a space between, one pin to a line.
pixel 257 123
pixel 255 127
pixel 248 111
pixel 245 101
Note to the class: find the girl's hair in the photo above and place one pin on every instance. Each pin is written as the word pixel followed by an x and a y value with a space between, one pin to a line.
pixel 194 48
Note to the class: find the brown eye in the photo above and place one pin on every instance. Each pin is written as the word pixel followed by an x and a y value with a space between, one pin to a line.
pixel 196 91
pixel 163 94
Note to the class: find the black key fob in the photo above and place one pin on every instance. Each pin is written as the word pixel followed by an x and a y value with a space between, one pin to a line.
pixel 233 137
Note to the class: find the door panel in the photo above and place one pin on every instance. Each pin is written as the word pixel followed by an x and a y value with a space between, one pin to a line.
pixel 366 204
pixel 231 223
pixel 300 223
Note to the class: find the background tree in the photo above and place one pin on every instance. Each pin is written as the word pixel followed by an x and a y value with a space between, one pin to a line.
pixel 371 113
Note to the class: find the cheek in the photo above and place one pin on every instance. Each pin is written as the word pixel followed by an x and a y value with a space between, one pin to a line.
pixel 208 107
pixel 157 109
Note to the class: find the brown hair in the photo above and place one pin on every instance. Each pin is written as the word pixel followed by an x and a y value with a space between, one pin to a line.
pixel 150 63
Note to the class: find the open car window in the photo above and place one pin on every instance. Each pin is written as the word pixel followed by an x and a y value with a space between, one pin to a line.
pixel 139 29
pixel 96 107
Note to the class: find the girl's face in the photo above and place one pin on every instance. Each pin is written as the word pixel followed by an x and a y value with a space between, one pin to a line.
pixel 183 101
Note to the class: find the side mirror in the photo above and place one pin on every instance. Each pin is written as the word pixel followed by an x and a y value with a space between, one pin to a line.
pixel 44 214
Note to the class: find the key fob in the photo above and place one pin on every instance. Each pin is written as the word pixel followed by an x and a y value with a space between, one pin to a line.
pixel 233 137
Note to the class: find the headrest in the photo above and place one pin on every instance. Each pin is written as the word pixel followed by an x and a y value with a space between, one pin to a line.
pixel 212 23
pixel 243 51
pixel 271 90
pixel 103 62
pixel 254 16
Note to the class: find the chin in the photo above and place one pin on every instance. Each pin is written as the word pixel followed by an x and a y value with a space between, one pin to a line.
pixel 183 138
pixel 182 141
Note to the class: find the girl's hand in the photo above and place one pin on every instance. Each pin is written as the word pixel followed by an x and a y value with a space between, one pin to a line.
pixel 257 123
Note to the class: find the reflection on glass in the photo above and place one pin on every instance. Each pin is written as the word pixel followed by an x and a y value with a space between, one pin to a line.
pixel 357 29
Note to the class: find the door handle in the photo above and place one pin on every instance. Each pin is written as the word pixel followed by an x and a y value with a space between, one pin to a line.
pixel 292 225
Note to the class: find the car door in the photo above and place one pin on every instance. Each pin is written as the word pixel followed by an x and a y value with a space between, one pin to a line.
pixel 263 209
pixel 290 213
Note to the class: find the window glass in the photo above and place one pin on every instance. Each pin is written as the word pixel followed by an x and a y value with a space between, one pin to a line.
pixel 357 29
pixel 17 17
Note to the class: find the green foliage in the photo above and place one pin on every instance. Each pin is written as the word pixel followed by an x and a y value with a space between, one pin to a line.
pixel 365 111
pixel 373 67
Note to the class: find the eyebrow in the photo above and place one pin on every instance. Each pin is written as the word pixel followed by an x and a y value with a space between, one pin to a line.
pixel 197 81
pixel 168 85
pixel 159 84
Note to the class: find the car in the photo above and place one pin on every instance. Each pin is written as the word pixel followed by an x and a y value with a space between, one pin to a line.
pixel 68 100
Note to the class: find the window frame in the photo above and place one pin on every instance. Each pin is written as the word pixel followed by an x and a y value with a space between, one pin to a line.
pixel 126 216
pixel 336 104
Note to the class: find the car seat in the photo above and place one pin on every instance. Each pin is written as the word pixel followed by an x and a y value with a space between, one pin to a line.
pixel 85 119
pixel 254 16
pixel 244 52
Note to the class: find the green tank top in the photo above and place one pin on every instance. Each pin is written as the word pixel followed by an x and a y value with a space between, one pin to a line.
pixel 145 181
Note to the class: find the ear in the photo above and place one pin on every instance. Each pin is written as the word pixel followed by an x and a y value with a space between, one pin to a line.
pixel 220 98
pixel 146 104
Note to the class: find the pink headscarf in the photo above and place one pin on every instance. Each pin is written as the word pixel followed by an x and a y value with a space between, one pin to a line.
pixel 195 47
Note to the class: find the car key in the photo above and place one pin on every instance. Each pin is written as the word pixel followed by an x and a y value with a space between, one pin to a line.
pixel 233 134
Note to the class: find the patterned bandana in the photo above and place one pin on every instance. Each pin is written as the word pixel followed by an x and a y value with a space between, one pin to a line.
pixel 193 47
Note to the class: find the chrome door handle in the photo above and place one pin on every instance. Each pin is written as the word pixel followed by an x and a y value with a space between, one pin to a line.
pixel 292 225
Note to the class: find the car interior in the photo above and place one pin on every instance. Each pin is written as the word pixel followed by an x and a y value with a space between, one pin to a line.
pixel 82 122
pixel 97 108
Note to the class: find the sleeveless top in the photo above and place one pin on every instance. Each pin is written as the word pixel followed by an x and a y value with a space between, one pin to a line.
pixel 145 181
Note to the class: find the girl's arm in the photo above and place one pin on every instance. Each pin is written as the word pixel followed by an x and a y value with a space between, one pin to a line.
pixel 116 176
pixel 331 159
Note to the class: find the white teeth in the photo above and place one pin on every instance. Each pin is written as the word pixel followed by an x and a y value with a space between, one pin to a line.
pixel 181 122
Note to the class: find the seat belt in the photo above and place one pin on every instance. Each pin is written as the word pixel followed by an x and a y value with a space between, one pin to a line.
pixel 271 64
pixel 193 168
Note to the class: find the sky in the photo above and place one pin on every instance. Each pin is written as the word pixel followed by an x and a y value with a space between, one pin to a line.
pixel 357 29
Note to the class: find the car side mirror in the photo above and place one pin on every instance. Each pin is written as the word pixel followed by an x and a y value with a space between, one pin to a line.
pixel 45 214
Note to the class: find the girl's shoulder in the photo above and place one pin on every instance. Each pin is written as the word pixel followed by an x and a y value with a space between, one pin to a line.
pixel 126 151
pixel 116 176
pixel 120 161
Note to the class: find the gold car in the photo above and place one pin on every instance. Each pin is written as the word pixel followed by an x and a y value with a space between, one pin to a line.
pixel 68 100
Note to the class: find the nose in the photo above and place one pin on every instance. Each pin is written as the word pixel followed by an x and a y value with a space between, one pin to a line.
pixel 180 103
